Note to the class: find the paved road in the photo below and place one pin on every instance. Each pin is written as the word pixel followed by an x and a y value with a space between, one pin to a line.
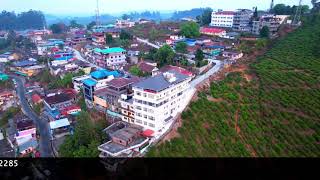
pixel 79 57
pixel 145 41
pixel 213 70
pixel 41 124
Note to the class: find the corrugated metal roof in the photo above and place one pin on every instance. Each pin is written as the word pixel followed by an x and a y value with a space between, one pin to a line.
pixel 158 83
pixel 109 50
pixel 59 123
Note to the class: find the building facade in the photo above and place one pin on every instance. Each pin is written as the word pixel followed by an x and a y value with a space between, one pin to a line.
pixel 158 99
pixel 241 20
pixel 271 21
pixel 113 58
pixel 222 19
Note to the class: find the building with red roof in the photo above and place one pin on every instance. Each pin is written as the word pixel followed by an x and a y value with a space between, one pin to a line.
pixel 213 31
pixel 36 98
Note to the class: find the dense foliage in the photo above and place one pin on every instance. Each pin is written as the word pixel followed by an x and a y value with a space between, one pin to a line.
pixel 275 114
pixel 8 114
pixel 190 29
pixel 24 20
pixel 264 32
pixel 205 18
pixel 84 142
pixel 181 47
pixel 188 13
pixel 282 9
pixel 59 28
pixel 164 55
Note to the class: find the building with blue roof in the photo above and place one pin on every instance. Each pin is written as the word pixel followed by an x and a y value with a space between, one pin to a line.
pixel 98 80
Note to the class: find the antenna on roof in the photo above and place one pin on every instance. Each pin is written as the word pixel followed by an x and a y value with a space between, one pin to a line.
pixel 97 14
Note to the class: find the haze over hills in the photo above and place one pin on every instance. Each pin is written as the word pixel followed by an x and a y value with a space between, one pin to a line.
pixel 109 18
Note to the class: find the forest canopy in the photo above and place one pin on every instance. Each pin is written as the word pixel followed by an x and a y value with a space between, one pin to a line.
pixel 25 20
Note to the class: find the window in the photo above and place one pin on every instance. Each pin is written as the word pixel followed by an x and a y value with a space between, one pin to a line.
pixel 138 94
pixel 144 95
pixel 145 123
pixel 139 115
pixel 139 107
pixel 139 121
pixel 151 125
pixel 151 118
pixel 145 109
pixel 145 116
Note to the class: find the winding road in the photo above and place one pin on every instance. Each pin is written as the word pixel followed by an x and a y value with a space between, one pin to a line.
pixel 42 125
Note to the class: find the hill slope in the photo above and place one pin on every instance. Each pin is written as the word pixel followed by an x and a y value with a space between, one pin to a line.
pixel 277 113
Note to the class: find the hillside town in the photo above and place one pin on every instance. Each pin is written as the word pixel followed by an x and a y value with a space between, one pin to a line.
pixel 133 77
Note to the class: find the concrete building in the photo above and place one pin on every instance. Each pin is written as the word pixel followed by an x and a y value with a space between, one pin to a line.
pixel 271 21
pixel 97 81
pixel 120 23
pixel 241 20
pixel 113 58
pixel 222 19
pixel 158 99
pixel 98 39
pixel 125 140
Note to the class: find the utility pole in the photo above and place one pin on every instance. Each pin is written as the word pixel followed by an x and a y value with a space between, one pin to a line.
pixel 297 15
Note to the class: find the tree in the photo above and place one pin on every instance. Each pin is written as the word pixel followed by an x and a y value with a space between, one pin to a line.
pixel 25 20
pixel 316 6
pixel 125 35
pixel 264 32
pixel 261 43
pixel 124 43
pixel 125 17
pixel 190 29
pixel 153 34
pixel 199 55
pixel 135 71
pixel 164 55
pixel 109 38
pixel 181 47
pixel 90 25
pixel 255 13
pixel 205 18
pixel 58 28
pixel 85 140
pixel 74 24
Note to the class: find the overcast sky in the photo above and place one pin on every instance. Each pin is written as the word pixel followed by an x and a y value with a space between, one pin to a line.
pixel 87 7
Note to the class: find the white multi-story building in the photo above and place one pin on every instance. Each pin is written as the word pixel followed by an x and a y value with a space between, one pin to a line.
pixel 157 100
pixel 124 23
pixel 222 19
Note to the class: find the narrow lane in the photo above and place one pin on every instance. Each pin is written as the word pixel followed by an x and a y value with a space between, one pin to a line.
pixel 42 125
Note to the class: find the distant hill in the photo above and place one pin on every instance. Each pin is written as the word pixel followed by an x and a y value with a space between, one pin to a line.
pixel 193 13
pixel 51 19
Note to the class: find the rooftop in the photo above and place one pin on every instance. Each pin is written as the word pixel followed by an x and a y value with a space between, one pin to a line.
pixel 110 50
pixel 121 82
pixel 25 63
pixel 90 82
pixel 224 13
pixel 58 98
pixel 211 30
pixel 160 82
pixel 100 74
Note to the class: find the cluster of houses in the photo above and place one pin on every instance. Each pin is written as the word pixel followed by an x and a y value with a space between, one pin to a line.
pixel 22 135
pixel 242 20
pixel 7 99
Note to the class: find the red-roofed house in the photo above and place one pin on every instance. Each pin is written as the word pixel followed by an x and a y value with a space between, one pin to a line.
pixel 213 31
pixel 36 99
